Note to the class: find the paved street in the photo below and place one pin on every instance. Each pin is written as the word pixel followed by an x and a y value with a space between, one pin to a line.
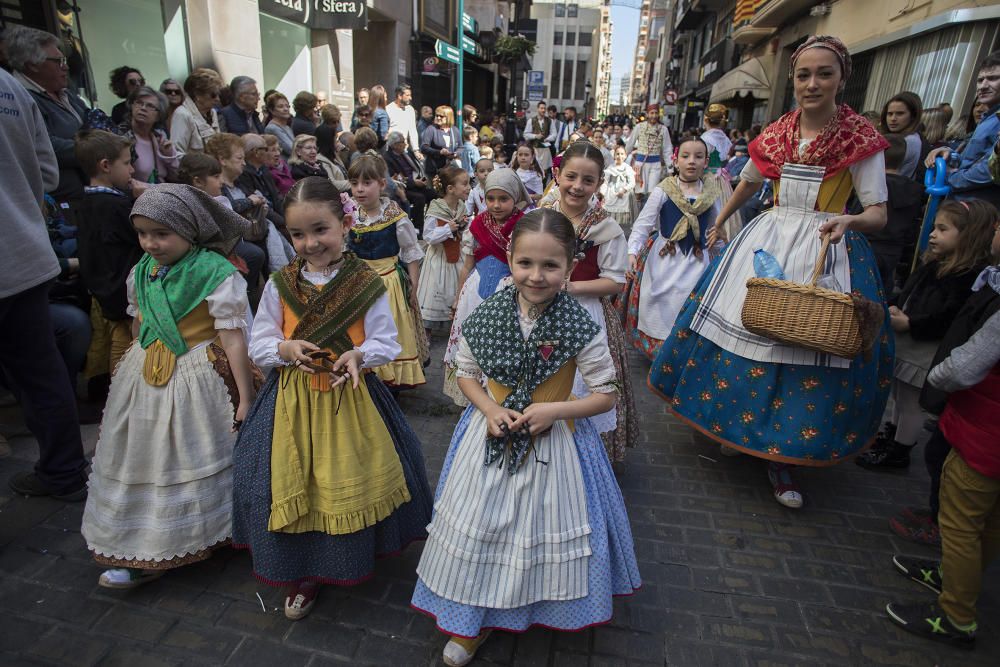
pixel 730 578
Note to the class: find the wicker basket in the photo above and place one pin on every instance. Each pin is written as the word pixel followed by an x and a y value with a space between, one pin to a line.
pixel 803 315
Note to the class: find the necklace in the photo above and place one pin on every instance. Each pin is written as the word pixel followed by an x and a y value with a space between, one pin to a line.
pixel 329 268
pixel 535 310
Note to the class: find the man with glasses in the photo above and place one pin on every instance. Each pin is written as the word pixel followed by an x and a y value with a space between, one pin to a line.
pixel 241 116
pixel 42 69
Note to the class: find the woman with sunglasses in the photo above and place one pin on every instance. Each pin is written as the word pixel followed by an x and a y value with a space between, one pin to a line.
pixel 440 142
pixel 196 119
pixel 124 80
pixel 175 97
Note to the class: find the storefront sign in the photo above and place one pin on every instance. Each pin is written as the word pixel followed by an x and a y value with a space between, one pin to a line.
pixel 320 14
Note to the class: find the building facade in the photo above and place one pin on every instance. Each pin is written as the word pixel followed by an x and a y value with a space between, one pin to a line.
pixel 567 49
pixel 603 92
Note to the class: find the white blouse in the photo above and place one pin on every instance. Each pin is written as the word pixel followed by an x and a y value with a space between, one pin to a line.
pixel 406 234
pixel 649 220
pixel 379 347
pixel 593 361
pixel 532 181
pixel 227 304
pixel 868 177
pixel 433 233
pixel 612 259
pixel 476 203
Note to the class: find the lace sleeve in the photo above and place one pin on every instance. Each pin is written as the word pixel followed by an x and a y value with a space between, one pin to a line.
pixel 596 367
pixel 466 363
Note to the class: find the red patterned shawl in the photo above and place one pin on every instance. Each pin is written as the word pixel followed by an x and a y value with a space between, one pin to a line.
pixel 847 138
pixel 493 238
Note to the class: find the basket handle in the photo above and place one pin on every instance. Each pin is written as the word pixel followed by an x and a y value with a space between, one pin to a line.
pixel 821 260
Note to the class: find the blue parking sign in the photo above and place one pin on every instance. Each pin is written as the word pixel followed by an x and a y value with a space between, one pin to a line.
pixel 536 78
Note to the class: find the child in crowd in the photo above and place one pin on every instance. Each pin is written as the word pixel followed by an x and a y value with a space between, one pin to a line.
pixel 386 240
pixel 958 250
pixel 107 244
pixel 476 203
pixel 598 276
pixel 903 212
pixel 970 479
pixel 486 153
pixel 484 252
pixel 444 223
pixel 329 475
pixel 529 172
pixel 667 250
pixel 539 535
pixel 618 190
pixel 161 487
pixel 470 153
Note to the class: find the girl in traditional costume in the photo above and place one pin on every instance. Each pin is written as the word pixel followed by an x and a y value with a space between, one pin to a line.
pixel 484 249
pixel 529 525
pixel 788 405
pixel 444 222
pixel 720 148
pixel 329 475
pixel 161 487
pixel 598 276
pixel 529 172
pixel 476 203
pixel 667 250
pixel 386 240
pixel 618 190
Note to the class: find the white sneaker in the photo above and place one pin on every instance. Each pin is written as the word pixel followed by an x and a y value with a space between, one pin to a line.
pixel 124 578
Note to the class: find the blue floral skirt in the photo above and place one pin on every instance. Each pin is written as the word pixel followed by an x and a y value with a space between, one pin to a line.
pixel 287 558
pixel 805 415
pixel 612 569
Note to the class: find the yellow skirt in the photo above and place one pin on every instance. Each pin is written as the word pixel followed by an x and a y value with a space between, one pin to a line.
pixel 334 467
pixel 406 370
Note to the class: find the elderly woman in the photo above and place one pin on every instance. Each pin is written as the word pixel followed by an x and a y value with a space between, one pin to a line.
pixel 195 120
pixel 406 170
pixel 280 124
pixel 440 142
pixel 306 161
pixel 124 80
pixel 155 160
pixel 304 121
pixel 280 171
pixel 175 97
pixel 795 406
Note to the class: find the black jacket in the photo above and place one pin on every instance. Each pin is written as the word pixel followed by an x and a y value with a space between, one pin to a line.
pixel 237 121
pixel 932 303
pixel 431 143
pixel 108 248
pixel 979 307
pixel 399 164
pixel 903 212
pixel 302 125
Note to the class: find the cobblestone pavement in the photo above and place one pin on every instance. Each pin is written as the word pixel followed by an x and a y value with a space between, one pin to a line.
pixel 730 577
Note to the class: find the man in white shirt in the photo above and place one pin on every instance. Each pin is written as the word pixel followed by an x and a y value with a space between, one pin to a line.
pixel 403 118
pixel 541 132
pixel 567 127
pixel 651 150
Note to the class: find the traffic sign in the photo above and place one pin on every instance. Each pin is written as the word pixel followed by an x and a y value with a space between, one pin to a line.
pixel 670 97
pixel 446 51
pixel 536 93
pixel 470 24
pixel 536 77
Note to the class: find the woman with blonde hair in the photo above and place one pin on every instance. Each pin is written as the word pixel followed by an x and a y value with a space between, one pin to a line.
pixel 196 119
pixel 440 141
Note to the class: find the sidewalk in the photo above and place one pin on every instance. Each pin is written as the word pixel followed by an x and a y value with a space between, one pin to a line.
pixel 730 577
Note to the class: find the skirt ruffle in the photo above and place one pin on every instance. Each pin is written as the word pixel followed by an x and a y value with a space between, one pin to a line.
pixel 791 413
pixel 284 558
pixel 612 568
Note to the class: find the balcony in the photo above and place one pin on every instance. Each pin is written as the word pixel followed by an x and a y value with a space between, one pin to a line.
pixel 775 13
pixel 717 61
pixel 748 33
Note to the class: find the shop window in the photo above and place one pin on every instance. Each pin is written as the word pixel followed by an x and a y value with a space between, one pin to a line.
pixel 285 53
pixel 120 32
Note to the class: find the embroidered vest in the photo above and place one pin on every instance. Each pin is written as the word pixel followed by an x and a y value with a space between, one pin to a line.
pixel 587 268
pixel 377 243
pixel 670 215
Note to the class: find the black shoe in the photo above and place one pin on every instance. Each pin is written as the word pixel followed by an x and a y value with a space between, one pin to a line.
pixel 924 572
pixel 929 620
pixel 28 484
pixel 893 457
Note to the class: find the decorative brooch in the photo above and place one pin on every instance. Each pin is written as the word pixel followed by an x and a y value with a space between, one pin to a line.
pixel 546 348
pixel 158 272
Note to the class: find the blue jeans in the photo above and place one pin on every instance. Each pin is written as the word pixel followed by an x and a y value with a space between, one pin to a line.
pixel 72 330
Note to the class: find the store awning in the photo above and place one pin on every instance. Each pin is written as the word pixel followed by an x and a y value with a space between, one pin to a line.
pixel 748 78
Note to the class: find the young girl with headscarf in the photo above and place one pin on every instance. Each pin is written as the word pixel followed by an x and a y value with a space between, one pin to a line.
pixel 161 487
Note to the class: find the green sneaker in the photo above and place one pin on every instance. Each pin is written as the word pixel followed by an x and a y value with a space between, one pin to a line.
pixel 929 620
pixel 924 572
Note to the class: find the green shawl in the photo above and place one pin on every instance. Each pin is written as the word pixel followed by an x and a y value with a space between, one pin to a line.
pixel 325 314
pixel 165 297
pixel 493 332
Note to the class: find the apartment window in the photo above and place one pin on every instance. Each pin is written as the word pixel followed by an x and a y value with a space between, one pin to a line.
pixel 557 38
pixel 572 11
pixel 561 11
pixel 567 80
pixel 585 39
pixel 570 39
pixel 581 79
pixel 554 78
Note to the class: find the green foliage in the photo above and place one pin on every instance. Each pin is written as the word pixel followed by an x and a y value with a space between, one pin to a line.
pixel 510 48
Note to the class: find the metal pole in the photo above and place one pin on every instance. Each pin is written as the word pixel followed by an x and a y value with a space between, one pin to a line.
pixel 461 71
